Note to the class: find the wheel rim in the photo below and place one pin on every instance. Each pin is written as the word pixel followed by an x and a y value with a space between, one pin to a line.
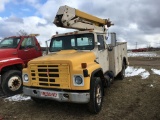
pixel 99 95
pixel 14 83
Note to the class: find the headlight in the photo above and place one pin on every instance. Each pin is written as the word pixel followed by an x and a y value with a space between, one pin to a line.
pixel 25 78
pixel 78 80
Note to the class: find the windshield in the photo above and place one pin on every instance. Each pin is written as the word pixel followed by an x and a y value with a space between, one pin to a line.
pixel 77 42
pixel 9 43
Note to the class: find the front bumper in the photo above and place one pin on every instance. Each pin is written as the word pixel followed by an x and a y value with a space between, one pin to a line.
pixel 61 96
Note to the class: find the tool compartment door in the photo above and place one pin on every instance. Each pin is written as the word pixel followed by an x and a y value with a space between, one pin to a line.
pixel 116 57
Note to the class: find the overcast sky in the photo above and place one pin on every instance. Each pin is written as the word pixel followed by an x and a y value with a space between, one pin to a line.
pixel 135 20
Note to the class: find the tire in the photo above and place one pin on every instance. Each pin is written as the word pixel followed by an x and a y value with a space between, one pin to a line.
pixel 111 76
pixel 121 75
pixel 96 96
pixel 107 81
pixel 12 82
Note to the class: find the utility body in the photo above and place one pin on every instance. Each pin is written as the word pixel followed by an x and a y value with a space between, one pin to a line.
pixel 15 52
pixel 80 64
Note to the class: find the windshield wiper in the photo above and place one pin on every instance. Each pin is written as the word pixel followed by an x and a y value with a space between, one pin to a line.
pixel 4 47
pixel 75 48
pixel 57 50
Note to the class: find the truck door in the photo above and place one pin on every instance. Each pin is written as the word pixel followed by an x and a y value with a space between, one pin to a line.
pixel 102 54
pixel 28 49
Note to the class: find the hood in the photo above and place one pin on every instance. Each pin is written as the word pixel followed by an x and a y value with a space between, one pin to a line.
pixel 5 53
pixel 66 56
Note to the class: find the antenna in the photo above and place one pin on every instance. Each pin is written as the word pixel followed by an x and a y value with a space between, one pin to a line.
pixel 136 45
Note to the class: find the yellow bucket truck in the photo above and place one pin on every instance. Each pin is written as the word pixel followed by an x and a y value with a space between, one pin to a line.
pixel 80 64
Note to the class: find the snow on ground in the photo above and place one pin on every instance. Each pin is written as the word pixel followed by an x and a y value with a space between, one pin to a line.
pixel 151 85
pixel 142 54
pixel 132 71
pixel 19 97
pixel 155 71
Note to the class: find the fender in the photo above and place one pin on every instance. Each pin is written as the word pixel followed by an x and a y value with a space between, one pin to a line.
pixel 10 61
pixel 98 71
pixel 126 62
pixel 94 69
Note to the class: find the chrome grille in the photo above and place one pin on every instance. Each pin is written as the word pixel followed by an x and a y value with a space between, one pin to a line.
pixel 51 76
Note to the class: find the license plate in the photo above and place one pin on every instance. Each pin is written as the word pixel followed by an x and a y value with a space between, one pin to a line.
pixel 49 94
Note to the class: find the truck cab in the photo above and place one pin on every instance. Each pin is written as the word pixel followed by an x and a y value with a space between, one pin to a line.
pixel 83 41
pixel 15 52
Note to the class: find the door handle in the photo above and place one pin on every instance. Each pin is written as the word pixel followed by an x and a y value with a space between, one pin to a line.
pixel 14 53
pixel 26 50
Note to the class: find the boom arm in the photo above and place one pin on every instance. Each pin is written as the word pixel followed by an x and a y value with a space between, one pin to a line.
pixel 68 17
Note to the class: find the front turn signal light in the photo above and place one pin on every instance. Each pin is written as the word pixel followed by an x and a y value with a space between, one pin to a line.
pixel 84 65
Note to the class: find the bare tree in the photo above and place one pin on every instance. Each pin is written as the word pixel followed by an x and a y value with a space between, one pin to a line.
pixel 22 33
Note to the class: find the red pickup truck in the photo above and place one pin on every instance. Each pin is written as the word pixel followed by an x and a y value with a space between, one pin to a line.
pixel 15 52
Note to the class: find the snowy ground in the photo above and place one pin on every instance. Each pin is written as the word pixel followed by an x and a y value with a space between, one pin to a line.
pixel 143 54
pixel 134 71
pixel 19 97
pixel 155 71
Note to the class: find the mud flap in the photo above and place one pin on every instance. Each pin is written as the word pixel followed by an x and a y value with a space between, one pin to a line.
pixel 1 91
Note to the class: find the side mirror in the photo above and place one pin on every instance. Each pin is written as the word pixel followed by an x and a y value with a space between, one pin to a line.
pixel 21 47
pixel 98 43
pixel 110 48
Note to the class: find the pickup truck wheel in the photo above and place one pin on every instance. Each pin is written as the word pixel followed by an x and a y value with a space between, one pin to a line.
pixel 122 73
pixel 12 82
pixel 96 96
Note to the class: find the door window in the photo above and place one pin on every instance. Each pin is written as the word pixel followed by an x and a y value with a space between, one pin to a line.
pixel 57 45
pixel 101 41
pixel 9 43
pixel 28 43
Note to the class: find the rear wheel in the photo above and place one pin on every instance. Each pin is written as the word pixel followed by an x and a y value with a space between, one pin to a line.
pixel 121 75
pixel 107 82
pixel 111 76
pixel 109 79
pixel 96 95
pixel 12 82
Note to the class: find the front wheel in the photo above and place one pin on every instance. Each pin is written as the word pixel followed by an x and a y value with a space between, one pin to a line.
pixel 12 82
pixel 96 95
